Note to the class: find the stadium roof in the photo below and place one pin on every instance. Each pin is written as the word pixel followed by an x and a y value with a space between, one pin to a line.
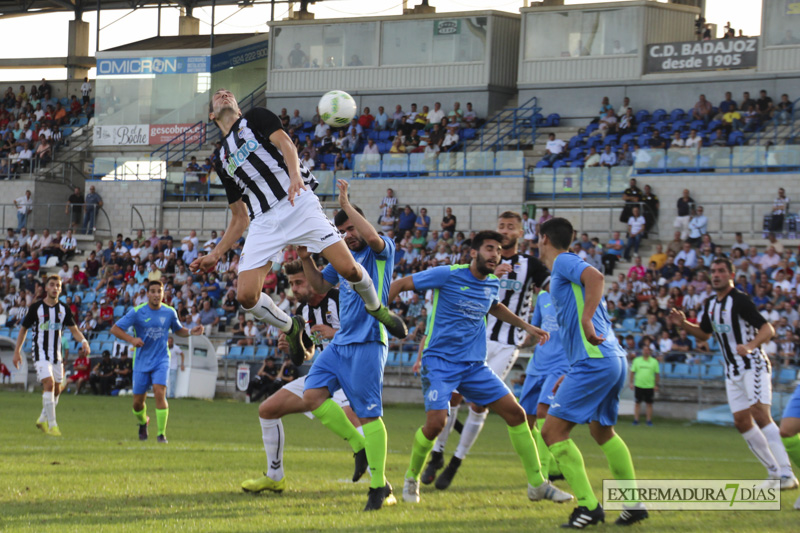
pixel 11 8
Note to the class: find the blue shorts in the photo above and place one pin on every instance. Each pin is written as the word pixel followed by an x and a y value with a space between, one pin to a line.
pixel 143 379
pixel 536 390
pixel 475 380
pixel 590 391
pixel 357 369
pixel 792 409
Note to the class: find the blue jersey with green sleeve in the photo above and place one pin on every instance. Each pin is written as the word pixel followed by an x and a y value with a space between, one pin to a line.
pixel 355 324
pixel 548 358
pixel 457 328
pixel 153 327
pixel 568 296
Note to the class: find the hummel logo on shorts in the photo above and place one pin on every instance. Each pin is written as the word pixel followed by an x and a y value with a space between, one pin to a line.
pixel 464 288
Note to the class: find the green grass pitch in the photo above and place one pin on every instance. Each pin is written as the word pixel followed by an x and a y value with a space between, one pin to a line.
pixel 99 477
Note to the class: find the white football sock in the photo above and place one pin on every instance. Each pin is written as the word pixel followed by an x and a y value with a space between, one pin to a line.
pixel 43 415
pixel 49 408
pixel 760 448
pixel 441 440
pixel 773 436
pixel 366 289
pixel 360 429
pixel 273 436
pixel 265 310
pixel 472 428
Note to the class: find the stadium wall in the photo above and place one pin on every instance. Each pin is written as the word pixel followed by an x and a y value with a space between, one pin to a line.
pixel 49 201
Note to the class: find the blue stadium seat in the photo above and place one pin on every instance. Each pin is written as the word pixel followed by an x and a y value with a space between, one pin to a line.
pixel 468 133
pixel 234 351
pixel 384 135
pixel 590 128
pixel 787 375
pixel 552 120
pixel 408 358
pixel 64 101
pixel 82 122
pixel 28 344
pixel 66 131
pixel 393 359
pixel 714 371
pixel 119 311
pixel 641 116
pixel 262 352
pixel 95 346
pixel 308 126
pixel 629 324
pixel 89 298
pixel 107 346
pixel 658 115
pixel 677 114
pixel 543 163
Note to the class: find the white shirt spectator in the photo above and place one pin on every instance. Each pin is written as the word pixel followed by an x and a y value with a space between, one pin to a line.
pixel 786 285
pixel 189 255
pixel 450 138
pixel 608 158
pixel 770 316
pixel 695 142
pixel 692 301
pixel 636 224
pixel 529 229
pixel 26 154
pixel 86 88
pixel 556 146
pixel 321 130
pixel 39 113
pixel 371 149
pixel 689 258
pixel 175 357
pixel 184 242
pixel 665 345
pixel 68 243
pixel 308 162
pixel 677 143
pixel 435 117
pixel 46 132
pixel 65 274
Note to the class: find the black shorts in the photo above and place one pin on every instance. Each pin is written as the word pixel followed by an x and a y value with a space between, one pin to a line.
pixel 643 395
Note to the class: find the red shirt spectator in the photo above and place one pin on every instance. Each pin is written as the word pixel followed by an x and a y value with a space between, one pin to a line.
pixel 111 293
pixel 32 264
pixel 82 366
pixel 270 282
pixel 75 106
pixel 366 120
pixel 4 370
pixel 80 278
pixel 74 309
pixel 636 272
pixel 129 274
pixel 106 314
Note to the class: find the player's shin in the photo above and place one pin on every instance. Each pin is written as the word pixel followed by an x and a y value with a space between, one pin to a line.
pixel 273 436
pixel 334 418
pixel 541 448
pixel 265 310
pixel 760 447
pixel 792 445
pixel 141 416
pixel 472 428
pixel 570 461
pixel 619 461
pixel 522 441
pixel 375 442
pixel 773 436
pixel 419 454
pixel 366 289
pixel 452 418
pixel 49 408
pixel 161 417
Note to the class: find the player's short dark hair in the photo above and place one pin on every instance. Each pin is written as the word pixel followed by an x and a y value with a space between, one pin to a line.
pixel 725 261
pixel 341 217
pixel 559 231
pixel 511 214
pixel 52 277
pixel 293 267
pixel 483 236
pixel 155 282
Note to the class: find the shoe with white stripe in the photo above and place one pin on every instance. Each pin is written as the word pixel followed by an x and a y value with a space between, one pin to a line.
pixel 632 514
pixel 797 504
pixel 582 517
pixel 411 490
pixel 548 491
pixel 789 482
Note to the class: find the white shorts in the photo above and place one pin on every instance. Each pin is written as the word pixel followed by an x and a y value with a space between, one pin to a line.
pixel 305 224
pixel 296 387
pixel 501 357
pixel 752 386
pixel 46 369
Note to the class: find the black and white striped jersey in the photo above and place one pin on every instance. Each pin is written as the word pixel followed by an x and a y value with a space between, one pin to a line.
pixel 326 312
pixel 516 293
pixel 734 320
pixel 251 168
pixel 47 324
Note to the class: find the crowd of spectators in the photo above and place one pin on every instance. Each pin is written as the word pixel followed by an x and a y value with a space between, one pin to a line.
pixel 622 136
pixel 33 124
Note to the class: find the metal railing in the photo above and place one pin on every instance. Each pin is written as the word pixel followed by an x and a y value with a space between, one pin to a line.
pixel 148 216
pixel 123 168
pixel 195 137
pixel 448 164
pixel 55 217
pixel 497 133
pixel 773 130
pixel 567 181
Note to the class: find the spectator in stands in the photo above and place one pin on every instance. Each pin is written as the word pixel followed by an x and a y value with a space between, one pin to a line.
pixel 397 146
pixel 296 121
pixel 350 143
pixel 727 105
pixel 423 222
pixel 698 226
pixel 625 156
pixel 784 110
pixel 102 375
pixel 371 148
pixel 685 204
pixel 613 253
pixel 752 119
pixel 355 127
pixel 656 141
pixel 75 203
pixel 398 118
pixel 554 149
pixel 263 383
pixel 24 205
pixel 627 122
pixel 436 137
pixel 676 141
pixel 779 209
pixel 688 255
pixel 631 196
pixel 608 124
pixel 450 142
pixel 651 207
pixel 435 116
pixel 366 119
pixel 608 158
pixel 449 221
pixel 93 203
pixel 321 131
pixel 412 141
pixel 773 242
pixel 719 138
pixel 605 106
pixel 702 110
pixel 765 106
pixel 626 103
pixel 470 117
pixel 592 159
pixel 381 119
pixel 636 225
pixel 456 116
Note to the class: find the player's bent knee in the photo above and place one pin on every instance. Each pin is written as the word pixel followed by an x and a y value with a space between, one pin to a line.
pixel 247 301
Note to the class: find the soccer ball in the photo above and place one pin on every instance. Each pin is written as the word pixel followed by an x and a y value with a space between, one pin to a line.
pixel 337 108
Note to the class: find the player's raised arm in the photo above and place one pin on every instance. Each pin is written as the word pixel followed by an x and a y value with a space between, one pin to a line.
pixel 501 312
pixel 400 285
pixel 364 228
pixel 238 223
